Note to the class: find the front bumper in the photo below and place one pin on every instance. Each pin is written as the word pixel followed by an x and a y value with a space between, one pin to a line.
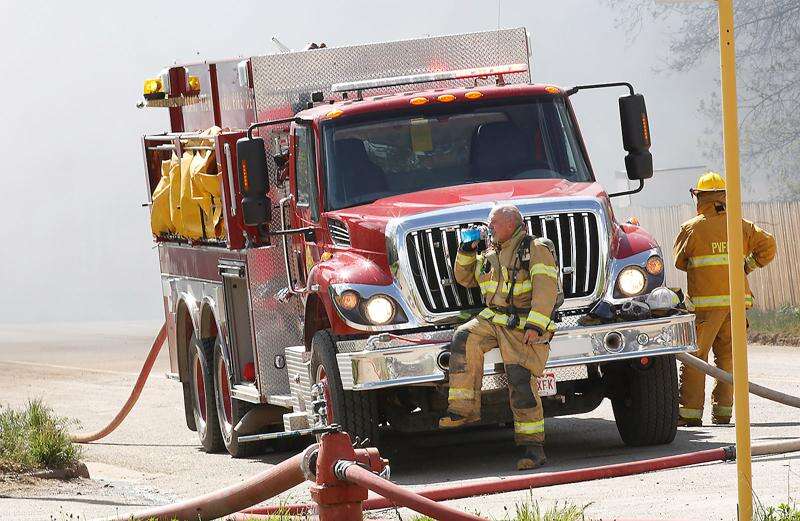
pixel 374 363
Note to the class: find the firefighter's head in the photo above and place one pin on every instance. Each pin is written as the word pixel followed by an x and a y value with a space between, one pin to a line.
pixel 709 182
pixel 710 189
pixel 504 221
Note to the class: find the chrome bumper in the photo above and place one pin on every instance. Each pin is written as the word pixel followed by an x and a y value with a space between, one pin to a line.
pixel 375 363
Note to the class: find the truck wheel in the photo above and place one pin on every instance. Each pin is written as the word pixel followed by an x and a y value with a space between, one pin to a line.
pixel 203 408
pixel 355 411
pixel 646 409
pixel 229 410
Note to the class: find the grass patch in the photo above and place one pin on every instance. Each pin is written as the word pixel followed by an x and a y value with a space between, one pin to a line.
pixel 780 326
pixel 783 512
pixel 784 320
pixel 35 438
pixel 530 510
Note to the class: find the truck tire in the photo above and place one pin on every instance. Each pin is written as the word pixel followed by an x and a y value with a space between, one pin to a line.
pixel 229 410
pixel 203 402
pixel 355 411
pixel 646 409
pixel 188 410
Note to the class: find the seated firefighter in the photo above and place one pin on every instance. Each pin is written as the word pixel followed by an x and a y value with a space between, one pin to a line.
pixel 518 279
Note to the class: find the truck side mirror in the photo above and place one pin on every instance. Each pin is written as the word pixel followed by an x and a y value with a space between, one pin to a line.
pixel 636 137
pixel 254 181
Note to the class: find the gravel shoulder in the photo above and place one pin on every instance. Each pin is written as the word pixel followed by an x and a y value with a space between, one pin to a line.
pixel 86 371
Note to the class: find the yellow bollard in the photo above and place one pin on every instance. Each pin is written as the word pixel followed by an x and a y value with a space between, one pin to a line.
pixel 730 136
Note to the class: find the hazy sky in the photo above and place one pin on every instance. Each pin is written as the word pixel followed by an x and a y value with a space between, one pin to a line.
pixel 76 239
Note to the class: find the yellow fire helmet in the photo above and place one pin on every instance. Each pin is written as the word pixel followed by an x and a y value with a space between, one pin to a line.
pixel 710 182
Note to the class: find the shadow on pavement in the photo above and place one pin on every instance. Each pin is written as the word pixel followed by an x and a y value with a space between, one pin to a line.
pixel 571 443
pixel 67 499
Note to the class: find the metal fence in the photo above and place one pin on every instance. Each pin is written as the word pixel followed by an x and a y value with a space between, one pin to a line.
pixel 776 285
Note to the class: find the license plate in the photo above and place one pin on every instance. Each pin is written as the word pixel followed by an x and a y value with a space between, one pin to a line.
pixel 546 384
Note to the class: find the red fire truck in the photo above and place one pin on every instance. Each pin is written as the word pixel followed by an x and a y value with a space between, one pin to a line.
pixel 307 209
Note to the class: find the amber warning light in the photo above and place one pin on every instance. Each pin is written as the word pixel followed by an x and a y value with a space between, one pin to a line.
pixel 245 176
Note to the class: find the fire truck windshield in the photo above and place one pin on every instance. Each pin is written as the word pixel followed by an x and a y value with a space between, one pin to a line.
pixel 447 145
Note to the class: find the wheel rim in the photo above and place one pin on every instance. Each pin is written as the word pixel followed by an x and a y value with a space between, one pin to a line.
pixel 225 395
pixel 322 377
pixel 199 391
pixel 321 374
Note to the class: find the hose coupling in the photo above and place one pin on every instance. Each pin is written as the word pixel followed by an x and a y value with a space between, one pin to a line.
pixel 309 462
pixel 730 452
pixel 340 469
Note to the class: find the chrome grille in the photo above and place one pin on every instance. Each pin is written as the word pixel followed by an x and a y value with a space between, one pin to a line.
pixel 339 232
pixel 432 254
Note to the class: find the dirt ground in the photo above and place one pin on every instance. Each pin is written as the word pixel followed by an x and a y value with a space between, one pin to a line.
pixel 85 371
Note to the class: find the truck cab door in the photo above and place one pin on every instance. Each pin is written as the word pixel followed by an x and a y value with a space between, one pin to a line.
pixel 304 187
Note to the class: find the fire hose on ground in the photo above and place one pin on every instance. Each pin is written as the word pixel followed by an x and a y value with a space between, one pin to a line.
pixel 261 487
pixel 135 392
pixel 349 471
pixel 719 374
pixel 341 485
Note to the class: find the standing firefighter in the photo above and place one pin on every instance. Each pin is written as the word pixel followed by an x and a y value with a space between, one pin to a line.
pixel 701 250
pixel 518 279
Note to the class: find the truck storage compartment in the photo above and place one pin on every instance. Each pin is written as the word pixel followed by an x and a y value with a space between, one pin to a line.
pixel 186 200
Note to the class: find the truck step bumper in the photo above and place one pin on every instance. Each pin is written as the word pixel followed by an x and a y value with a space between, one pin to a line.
pixel 377 363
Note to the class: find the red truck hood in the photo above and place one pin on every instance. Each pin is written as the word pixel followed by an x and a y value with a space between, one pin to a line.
pixel 367 222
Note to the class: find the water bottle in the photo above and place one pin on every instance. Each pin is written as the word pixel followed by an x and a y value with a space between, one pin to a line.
pixel 474 233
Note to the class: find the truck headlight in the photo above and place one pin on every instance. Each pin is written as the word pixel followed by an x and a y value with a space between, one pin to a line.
pixel 631 281
pixel 379 309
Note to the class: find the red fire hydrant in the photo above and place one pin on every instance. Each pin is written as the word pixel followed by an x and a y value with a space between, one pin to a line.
pixel 338 500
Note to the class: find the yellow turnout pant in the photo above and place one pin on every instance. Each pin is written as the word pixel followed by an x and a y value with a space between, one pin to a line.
pixel 713 334
pixel 523 364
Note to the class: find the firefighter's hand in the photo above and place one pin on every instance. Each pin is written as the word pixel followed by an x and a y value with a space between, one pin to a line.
pixel 469 247
pixel 532 337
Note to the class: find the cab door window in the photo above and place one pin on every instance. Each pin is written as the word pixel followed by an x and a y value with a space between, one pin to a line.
pixel 304 170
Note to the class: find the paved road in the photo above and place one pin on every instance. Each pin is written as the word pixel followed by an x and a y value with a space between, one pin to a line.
pixel 85 371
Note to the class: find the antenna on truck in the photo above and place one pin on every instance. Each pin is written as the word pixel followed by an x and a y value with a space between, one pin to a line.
pixel 283 49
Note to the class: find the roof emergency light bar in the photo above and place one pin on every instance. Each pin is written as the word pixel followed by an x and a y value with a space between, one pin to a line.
pixel 478 72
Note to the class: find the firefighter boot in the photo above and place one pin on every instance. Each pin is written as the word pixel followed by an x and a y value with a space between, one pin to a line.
pixel 721 420
pixel 453 420
pixel 690 422
pixel 533 458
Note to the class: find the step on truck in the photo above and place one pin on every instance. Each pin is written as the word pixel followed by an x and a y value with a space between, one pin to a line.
pixel 306 208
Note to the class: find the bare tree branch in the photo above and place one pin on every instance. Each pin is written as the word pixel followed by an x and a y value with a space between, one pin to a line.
pixel 768 69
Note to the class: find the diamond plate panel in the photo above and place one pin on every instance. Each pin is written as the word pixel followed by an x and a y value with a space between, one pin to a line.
pixel 276 325
pixel 283 82
pixel 297 362
pixel 495 381
pixel 569 322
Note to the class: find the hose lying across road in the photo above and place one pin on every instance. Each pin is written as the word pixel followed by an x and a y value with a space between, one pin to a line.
pixel 288 474
pixel 228 500
pixel 498 485
pixel 719 374
pixel 397 495
pixel 135 392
